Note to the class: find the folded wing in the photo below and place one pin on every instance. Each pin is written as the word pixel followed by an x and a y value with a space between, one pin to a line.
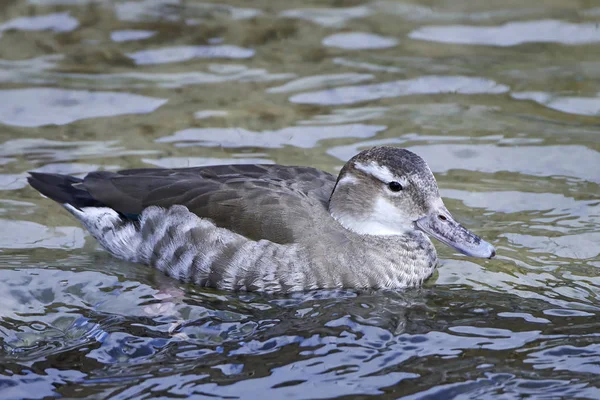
pixel 271 202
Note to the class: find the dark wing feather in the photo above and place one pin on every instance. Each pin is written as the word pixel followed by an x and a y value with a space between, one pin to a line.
pixel 272 202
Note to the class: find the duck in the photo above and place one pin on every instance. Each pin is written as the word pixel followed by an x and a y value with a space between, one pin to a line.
pixel 272 228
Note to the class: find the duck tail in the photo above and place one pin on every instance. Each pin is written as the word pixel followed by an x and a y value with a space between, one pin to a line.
pixel 63 189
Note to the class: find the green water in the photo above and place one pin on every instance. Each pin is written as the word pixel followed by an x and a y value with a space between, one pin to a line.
pixel 501 98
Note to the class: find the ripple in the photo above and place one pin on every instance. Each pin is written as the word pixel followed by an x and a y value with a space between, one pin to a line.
pixel 415 12
pixel 29 299
pixel 512 33
pixel 418 86
pixel 218 73
pixel 28 235
pixel 145 10
pixel 329 17
pixel 354 360
pixel 359 41
pixel 548 205
pixel 526 316
pixel 567 358
pixel 44 150
pixel 12 181
pixel 345 152
pixel 39 339
pixel 565 312
pixel 577 247
pixel 571 105
pixel 510 387
pixel 203 114
pixel 186 53
pixel 58 22
pixel 64 2
pixel 29 71
pixel 346 115
pixel 41 70
pixel 526 285
pixel 298 136
pixel 571 161
pixel 14 207
pixel 592 12
pixel 319 81
pixel 35 107
pixel 31 385
pixel 121 347
pixel 130 34
pixel 175 11
pixel 365 65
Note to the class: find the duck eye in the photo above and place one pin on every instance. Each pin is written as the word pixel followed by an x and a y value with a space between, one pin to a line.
pixel 395 186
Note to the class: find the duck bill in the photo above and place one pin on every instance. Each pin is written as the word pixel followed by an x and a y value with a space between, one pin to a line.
pixel 444 228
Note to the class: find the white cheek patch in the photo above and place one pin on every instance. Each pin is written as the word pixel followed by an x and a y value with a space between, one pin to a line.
pixel 380 172
pixel 390 216
pixel 386 219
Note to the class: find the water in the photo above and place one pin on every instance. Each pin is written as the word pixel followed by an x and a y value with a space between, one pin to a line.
pixel 501 99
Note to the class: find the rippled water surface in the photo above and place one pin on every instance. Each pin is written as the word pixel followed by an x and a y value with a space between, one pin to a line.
pixel 501 98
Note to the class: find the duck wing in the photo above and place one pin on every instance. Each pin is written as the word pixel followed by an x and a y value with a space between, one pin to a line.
pixel 272 202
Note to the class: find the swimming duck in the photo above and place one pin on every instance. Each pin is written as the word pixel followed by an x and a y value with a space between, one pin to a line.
pixel 272 228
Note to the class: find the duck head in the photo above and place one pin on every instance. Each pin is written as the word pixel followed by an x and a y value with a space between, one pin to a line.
pixel 392 191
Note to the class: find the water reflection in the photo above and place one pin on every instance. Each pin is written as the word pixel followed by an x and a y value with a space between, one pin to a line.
pixel 32 70
pixel 567 358
pixel 175 10
pixel 555 209
pixel 359 41
pixel 209 114
pixel 330 17
pixel 53 151
pixel 28 235
pixel 569 161
pixel 217 73
pixel 16 208
pixel 426 13
pixel 130 34
pixel 186 53
pixel 512 33
pixel 23 385
pixel 365 65
pixel 298 136
pixel 44 106
pixel 346 115
pixel 59 22
pixel 571 105
pixel 339 338
pixel 417 86
pixel 577 247
pixel 319 81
